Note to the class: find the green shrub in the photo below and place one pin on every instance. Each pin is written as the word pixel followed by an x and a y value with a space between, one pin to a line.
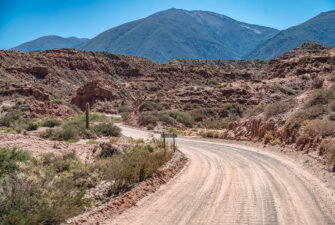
pixel 50 122
pixel 107 150
pixel 166 119
pixel 151 106
pixel 148 118
pixel 93 117
pixel 122 93
pixel 124 108
pixel 151 126
pixel 107 129
pixel 51 189
pixel 175 114
pixel 10 118
pixel 198 115
pixel 59 101
pixel 234 108
pixel 189 106
pixel 65 134
pixel 213 82
pixel 32 126
pixel 284 90
pixel 124 115
pixel 186 119
pixel 9 159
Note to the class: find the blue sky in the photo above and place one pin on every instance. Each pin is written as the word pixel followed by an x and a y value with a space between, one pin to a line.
pixel 24 20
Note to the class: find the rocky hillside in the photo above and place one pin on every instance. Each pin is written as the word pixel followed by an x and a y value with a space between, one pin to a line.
pixel 284 101
pixel 177 33
pixel 49 42
pixel 320 28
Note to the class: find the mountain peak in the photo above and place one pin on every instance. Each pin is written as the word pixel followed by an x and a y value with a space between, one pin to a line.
pixel 178 33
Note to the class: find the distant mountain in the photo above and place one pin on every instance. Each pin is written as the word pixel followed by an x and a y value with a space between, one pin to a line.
pixel 320 28
pixel 176 33
pixel 49 42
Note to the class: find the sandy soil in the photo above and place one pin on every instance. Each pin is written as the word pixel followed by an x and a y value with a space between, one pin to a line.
pixel 37 146
pixel 227 183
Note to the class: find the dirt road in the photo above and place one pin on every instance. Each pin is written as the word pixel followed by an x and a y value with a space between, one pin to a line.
pixel 232 185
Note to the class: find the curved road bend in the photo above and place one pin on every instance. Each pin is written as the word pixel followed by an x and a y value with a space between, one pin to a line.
pixel 230 185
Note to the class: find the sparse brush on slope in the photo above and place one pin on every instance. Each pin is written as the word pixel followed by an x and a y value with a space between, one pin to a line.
pixel 50 189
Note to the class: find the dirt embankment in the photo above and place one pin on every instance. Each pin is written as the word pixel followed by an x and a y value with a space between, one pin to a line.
pixel 136 193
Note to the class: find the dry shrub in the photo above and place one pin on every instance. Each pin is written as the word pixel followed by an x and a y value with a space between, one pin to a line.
pixel 268 136
pixel 277 108
pixel 254 110
pixel 307 114
pixel 318 127
pixel 210 134
pixel 275 141
pixel 255 139
pixel 327 148
pixel 321 97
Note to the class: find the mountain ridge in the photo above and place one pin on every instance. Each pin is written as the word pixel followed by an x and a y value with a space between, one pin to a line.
pixel 176 33
pixel 320 28
pixel 49 42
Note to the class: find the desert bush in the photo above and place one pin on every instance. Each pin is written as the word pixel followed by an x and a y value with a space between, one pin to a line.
pixel 49 189
pixel 124 115
pixel 151 106
pixel 276 108
pixel 189 106
pixel 9 159
pixel 321 97
pixel 234 108
pixel 50 122
pixel 210 134
pixel 254 110
pixel 59 101
pixel 306 114
pixel 275 141
pixel 198 115
pixel 12 117
pixel 65 134
pixel 327 148
pixel 186 119
pixel 284 90
pixel 107 129
pixel 93 117
pixel 213 82
pixel 151 126
pixel 148 118
pixel 268 136
pixel 136 165
pixel 166 119
pixel 45 192
pixel 32 126
pixel 124 108
pixel 108 150
pixel 319 128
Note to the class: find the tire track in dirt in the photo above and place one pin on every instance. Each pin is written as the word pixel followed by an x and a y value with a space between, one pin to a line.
pixel 229 185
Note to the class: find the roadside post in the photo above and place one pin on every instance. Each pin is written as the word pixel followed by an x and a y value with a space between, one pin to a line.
pixel 87 115
pixel 174 144
pixel 173 136
pixel 164 140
